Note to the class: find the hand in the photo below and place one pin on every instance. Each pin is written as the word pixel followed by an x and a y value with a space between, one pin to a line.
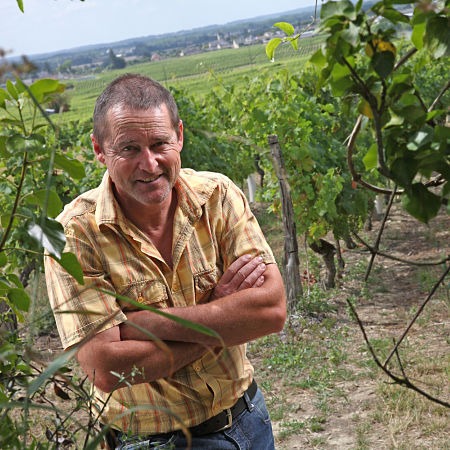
pixel 246 272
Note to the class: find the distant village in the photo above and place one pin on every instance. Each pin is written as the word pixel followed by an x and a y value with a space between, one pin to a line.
pixel 85 61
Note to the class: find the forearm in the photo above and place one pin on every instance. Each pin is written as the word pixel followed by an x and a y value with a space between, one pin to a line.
pixel 135 361
pixel 239 317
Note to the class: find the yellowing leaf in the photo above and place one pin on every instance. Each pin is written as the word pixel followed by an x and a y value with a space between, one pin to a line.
pixel 365 109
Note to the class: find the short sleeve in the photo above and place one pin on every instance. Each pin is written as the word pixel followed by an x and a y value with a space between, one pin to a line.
pixel 81 310
pixel 241 231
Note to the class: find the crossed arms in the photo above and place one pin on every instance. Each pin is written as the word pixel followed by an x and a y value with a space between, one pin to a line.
pixel 247 303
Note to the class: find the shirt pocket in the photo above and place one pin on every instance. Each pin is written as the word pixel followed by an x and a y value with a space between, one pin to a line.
pixel 204 283
pixel 147 292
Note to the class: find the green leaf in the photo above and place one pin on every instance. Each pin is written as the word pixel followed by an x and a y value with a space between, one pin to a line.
pixel 50 236
pixel 370 159
pixel 272 46
pixel 318 59
pixel 411 113
pixel 12 90
pixel 404 170
pixel 351 35
pixel 394 15
pixel 285 27
pixel 421 203
pixel 19 298
pixel 418 33
pixel 442 133
pixel 420 139
pixel 3 259
pixel 259 115
pixel 383 63
pixel 20 86
pixel 54 203
pixel 340 79
pixel 5 218
pixel 294 42
pixel 394 120
pixel 13 278
pixel 72 166
pixel 437 36
pixel 3 96
pixel 42 88
pixel 20 5
pixel 365 109
pixel 70 262
pixel 342 8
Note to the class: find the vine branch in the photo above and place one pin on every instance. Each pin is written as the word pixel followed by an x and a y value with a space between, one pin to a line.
pixel 419 311
pixel 355 175
pixel 395 258
pixel 380 233
pixel 399 380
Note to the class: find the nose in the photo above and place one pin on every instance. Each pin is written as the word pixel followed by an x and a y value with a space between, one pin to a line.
pixel 147 160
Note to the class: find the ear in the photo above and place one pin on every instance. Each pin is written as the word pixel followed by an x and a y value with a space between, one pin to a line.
pixel 98 150
pixel 180 135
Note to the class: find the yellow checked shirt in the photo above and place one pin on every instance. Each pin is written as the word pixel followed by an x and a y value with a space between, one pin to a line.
pixel 213 226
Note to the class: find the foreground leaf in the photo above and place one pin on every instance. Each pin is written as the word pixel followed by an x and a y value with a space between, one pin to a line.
pixel 49 235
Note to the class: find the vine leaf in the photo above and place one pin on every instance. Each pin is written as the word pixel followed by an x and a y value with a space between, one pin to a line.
pixel 272 46
pixel 383 63
pixel 20 5
pixel 49 199
pixel 44 87
pixel 70 262
pixel 72 166
pixel 422 204
pixel 285 27
pixel 50 235
pixel 437 37
pixel 19 298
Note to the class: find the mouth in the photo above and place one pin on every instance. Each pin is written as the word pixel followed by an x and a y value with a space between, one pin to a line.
pixel 148 180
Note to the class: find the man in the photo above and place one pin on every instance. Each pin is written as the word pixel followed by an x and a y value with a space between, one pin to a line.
pixel 180 241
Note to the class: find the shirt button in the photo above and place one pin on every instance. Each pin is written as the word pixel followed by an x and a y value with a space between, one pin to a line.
pixel 197 367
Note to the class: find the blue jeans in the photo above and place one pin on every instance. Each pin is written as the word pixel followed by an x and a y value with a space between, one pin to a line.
pixel 251 430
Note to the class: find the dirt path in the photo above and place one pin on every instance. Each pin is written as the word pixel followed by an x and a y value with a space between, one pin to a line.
pixel 364 410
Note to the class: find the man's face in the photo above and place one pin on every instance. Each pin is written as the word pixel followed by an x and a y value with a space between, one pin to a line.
pixel 142 154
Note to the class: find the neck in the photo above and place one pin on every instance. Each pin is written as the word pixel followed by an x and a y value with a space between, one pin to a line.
pixel 151 217
pixel 156 221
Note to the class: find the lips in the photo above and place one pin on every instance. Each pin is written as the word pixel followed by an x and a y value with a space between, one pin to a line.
pixel 148 180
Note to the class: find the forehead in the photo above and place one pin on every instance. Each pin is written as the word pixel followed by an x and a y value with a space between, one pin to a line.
pixel 120 116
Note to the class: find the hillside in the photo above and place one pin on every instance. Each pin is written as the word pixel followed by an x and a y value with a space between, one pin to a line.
pixel 243 32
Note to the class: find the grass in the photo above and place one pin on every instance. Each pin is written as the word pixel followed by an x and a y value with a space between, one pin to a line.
pixel 319 371
pixel 320 381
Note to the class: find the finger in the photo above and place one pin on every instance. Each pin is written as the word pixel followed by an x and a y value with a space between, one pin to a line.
pixel 254 265
pixel 259 282
pixel 248 279
pixel 234 268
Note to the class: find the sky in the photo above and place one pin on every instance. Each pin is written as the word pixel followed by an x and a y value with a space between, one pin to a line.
pixel 51 25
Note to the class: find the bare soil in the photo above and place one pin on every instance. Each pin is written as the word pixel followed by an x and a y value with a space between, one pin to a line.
pixel 366 411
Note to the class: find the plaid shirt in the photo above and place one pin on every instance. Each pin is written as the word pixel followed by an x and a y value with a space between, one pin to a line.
pixel 213 226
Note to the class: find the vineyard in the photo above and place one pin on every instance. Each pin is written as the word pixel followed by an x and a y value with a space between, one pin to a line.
pixel 360 116
pixel 196 74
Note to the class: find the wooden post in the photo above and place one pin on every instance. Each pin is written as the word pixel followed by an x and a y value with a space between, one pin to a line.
pixel 291 263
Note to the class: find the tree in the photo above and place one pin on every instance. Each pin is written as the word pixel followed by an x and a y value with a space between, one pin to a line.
pixel 115 62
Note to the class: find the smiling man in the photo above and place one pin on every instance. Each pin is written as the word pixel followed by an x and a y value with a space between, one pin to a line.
pixel 181 241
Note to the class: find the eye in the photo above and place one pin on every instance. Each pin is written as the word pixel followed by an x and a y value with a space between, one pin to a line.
pixel 159 145
pixel 130 149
